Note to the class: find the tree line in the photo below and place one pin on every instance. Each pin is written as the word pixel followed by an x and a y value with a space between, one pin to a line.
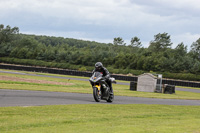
pixel 158 57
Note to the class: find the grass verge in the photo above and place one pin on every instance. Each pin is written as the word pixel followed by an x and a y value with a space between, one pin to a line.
pixel 100 118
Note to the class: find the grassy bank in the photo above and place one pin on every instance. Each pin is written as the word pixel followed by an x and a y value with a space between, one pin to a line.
pixel 101 118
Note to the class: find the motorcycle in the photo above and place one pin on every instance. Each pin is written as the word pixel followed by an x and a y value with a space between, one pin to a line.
pixel 101 90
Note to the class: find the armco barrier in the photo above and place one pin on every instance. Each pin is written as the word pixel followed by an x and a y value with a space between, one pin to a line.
pixel 88 74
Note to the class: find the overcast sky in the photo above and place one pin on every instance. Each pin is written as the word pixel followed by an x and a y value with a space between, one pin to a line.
pixel 103 20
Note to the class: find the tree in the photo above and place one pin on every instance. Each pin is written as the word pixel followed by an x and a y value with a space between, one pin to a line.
pixel 195 49
pixel 135 42
pixel 118 41
pixel 181 49
pixel 6 34
pixel 195 68
pixel 161 42
pixel 196 46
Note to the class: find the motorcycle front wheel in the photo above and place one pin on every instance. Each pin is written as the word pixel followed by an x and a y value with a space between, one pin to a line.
pixel 96 94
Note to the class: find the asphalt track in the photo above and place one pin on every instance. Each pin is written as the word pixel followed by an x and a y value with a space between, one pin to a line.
pixel 39 98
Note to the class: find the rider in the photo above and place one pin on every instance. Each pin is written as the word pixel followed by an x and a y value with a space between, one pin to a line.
pixel 99 68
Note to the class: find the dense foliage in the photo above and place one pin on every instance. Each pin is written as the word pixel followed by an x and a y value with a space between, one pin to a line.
pixel 119 56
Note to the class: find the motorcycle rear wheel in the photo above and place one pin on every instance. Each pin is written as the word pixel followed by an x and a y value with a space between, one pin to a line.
pixel 111 98
pixel 96 94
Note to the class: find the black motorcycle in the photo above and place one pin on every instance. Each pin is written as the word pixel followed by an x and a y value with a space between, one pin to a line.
pixel 101 90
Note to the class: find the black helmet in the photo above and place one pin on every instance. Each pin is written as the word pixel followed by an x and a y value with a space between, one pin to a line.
pixel 98 65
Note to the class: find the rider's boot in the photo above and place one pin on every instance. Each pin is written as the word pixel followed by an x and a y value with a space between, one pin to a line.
pixel 111 90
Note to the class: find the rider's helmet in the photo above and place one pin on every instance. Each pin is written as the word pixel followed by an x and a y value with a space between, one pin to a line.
pixel 98 65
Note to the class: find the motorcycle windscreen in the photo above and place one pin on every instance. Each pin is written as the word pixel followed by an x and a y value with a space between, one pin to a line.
pixel 97 76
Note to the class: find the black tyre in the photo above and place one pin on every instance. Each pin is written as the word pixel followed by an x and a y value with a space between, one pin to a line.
pixel 111 98
pixel 96 94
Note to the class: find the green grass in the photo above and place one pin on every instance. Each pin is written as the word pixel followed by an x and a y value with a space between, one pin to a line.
pixel 97 117
pixel 85 87
pixel 101 119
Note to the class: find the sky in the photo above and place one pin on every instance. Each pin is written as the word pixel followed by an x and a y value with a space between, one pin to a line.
pixel 103 20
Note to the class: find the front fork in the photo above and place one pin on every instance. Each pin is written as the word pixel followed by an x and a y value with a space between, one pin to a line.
pixel 98 86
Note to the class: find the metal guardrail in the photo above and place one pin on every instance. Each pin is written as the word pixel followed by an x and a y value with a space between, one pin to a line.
pixel 88 74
